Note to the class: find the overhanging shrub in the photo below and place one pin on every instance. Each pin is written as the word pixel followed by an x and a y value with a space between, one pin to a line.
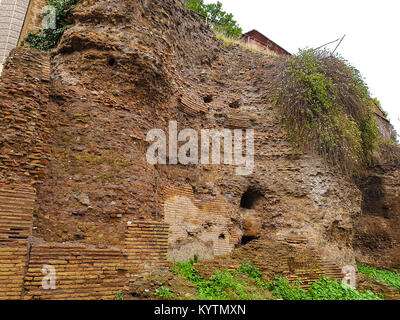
pixel 326 107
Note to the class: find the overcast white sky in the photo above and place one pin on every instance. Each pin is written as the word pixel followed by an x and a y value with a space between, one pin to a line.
pixel 372 42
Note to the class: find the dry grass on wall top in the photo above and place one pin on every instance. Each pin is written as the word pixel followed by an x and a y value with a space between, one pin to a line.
pixel 229 41
pixel 326 108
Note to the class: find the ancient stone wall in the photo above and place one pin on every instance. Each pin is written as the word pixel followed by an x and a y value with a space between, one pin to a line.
pixel 377 236
pixel 202 228
pixel 27 120
pixel 79 137
pixel 112 85
pixel 26 116
pixel 80 271
pixel 16 207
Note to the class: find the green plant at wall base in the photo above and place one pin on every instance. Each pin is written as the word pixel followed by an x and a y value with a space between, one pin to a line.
pixel 226 285
pixel 282 289
pixel 323 289
pixel 186 269
pixel 221 286
pixel 326 108
pixel 389 277
pixel 328 289
pixel 164 293
pixel 249 270
pixel 212 289
pixel 119 296
pixel 195 259
pixel 46 39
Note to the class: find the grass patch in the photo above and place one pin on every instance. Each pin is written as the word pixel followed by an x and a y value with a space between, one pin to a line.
pixel 164 292
pixel 246 283
pixel 323 289
pixel 225 285
pixel 385 276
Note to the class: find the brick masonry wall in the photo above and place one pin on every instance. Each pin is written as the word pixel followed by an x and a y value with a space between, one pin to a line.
pixel 84 272
pixel 202 228
pixel 26 117
pixel 16 206
pixel 81 271
pixel 95 175
pixel 146 245
pixel 12 16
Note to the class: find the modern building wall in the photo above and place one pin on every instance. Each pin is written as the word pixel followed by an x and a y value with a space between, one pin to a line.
pixel 12 17
pixel 256 38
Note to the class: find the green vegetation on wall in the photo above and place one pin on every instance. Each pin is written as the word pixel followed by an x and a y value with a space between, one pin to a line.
pixel 213 12
pixel 46 39
pixel 164 292
pixel 119 296
pixel 385 276
pixel 326 107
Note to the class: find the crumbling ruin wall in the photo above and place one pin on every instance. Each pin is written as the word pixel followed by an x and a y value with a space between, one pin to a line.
pixel 16 207
pixel 28 121
pixel 202 228
pixel 80 271
pixel 128 67
pixel 26 117
pixel 79 137
pixel 377 236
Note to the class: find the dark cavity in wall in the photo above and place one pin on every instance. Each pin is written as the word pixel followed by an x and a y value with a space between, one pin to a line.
pixel 208 99
pixel 246 239
pixel 373 195
pixel 111 62
pixel 250 198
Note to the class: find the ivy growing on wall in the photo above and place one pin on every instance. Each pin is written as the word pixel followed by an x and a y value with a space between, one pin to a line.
pixel 326 107
pixel 46 39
